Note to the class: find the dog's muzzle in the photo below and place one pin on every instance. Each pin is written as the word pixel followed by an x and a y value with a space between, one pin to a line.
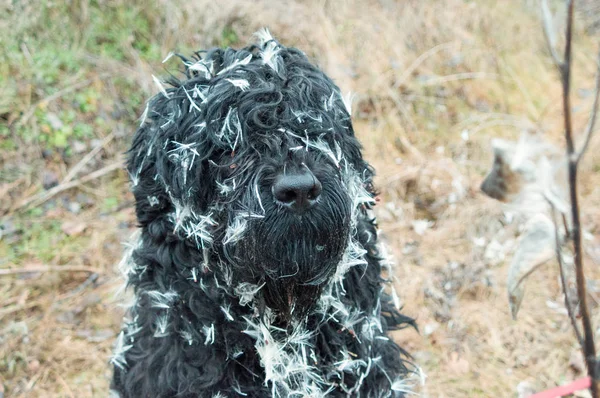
pixel 295 248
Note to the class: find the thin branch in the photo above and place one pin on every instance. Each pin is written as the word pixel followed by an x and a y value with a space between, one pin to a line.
pixel 563 279
pixel 8 187
pixel 62 381
pixel 86 159
pixel 91 280
pixel 564 67
pixel 56 95
pixel 566 226
pixel 531 106
pixel 588 331
pixel 40 198
pixel 19 307
pixel 402 108
pixel 434 81
pixel 49 268
pixel 590 126
pixel 565 75
pixel 421 58
pixel 549 33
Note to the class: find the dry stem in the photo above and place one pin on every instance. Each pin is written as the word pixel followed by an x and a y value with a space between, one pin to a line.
pixel 563 278
pixel 49 268
pixel 588 346
pixel 40 198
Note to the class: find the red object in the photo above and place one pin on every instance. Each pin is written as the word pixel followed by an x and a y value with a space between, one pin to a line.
pixel 561 391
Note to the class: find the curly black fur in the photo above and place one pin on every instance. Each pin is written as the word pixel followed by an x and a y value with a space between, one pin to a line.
pixel 235 295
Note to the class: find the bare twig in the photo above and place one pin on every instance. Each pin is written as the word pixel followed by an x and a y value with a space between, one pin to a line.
pixel 91 280
pixel 49 268
pixel 86 159
pixel 458 76
pixel 52 97
pixel 4 311
pixel 402 108
pixel 564 68
pixel 520 123
pixel 566 226
pixel 590 126
pixel 64 384
pixel 34 379
pixel 8 187
pixel 40 198
pixel 74 87
pixel 563 278
pixel 531 106
pixel 565 74
pixel 421 58
pixel 27 54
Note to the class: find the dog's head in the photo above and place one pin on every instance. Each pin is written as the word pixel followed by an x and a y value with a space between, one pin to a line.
pixel 253 160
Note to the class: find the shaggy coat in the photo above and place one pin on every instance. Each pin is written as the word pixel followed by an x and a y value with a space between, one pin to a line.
pixel 235 294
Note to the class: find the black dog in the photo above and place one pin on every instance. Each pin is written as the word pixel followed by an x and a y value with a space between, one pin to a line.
pixel 257 272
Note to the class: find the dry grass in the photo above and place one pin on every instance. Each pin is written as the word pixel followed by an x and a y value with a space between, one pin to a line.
pixel 435 81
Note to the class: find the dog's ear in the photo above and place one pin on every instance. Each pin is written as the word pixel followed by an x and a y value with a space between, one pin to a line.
pixel 168 158
pixel 143 165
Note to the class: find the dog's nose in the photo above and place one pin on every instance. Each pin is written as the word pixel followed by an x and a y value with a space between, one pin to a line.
pixel 298 191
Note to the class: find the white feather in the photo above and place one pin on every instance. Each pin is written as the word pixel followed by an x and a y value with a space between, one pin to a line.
pixel 121 348
pixel 270 55
pixel 347 100
pixel 144 115
pixel 162 323
pixel 168 57
pixel 227 312
pixel 242 84
pixel 235 230
pixel 203 66
pixel 246 292
pixel 210 334
pixel 160 86
pixel 264 36
pixel 235 64
pixel 160 299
